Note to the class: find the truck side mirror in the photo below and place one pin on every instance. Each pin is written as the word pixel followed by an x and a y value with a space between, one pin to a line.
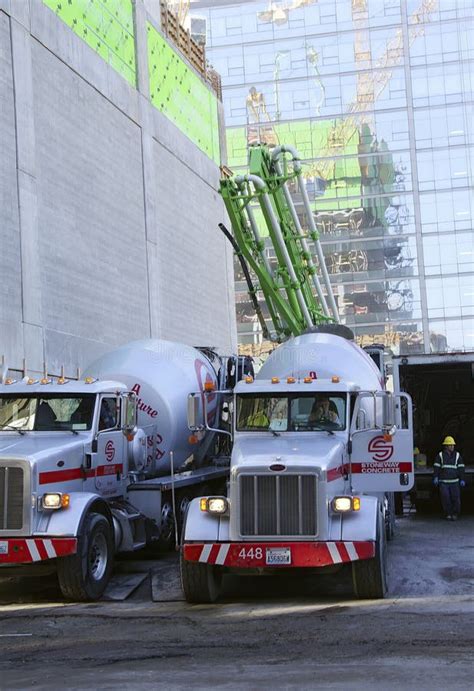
pixel 129 427
pixel 194 413
pixel 361 422
pixel 389 418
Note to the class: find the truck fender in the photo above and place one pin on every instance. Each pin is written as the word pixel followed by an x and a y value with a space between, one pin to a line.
pixel 68 522
pixel 200 526
pixel 361 525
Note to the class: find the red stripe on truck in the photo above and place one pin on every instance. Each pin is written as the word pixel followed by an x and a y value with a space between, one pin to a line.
pixel 359 468
pixel 70 474
pixel 381 467
pixel 337 473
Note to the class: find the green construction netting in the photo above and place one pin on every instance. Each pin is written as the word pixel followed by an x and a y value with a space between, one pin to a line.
pixel 182 96
pixel 106 26
pixel 344 185
pixel 309 137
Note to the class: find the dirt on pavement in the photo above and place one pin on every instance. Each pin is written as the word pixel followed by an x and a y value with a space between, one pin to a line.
pixel 276 631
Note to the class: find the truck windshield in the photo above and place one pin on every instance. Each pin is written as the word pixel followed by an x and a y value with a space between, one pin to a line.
pixel 46 413
pixel 291 413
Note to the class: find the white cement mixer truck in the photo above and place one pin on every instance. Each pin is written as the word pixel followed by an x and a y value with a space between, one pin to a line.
pixel 317 442
pixel 86 466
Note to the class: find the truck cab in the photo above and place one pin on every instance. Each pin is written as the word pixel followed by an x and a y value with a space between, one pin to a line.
pixel 311 462
pixel 64 455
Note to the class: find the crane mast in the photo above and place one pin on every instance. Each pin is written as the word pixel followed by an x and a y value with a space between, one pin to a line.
pixel 297 292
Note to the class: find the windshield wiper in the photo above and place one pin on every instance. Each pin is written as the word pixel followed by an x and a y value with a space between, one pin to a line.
pixel 321 429
pixel 13 429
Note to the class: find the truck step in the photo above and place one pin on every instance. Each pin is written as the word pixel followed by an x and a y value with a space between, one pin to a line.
pixel 139 545
pixel 134 516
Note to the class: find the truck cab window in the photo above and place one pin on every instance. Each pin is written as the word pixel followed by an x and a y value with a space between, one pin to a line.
pixel 47 412
pixel 295 413
pixel 108 415
pixel 17 413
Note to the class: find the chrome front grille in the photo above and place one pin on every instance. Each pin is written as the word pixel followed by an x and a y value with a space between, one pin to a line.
pixel 12 492
pixel 277 505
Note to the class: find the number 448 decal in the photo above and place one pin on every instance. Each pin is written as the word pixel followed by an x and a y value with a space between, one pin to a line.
pixel 251 553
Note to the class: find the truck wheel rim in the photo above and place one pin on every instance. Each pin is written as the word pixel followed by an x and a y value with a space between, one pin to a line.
pixel 98 557
pixel 167 522
pixel 183 505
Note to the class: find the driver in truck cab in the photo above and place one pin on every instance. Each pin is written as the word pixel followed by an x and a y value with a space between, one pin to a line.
pixel 323 410
pixel 107 416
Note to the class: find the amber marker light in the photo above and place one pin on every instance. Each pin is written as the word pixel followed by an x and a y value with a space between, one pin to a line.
pixel 65 501
pixel 290 380
pixel 335 380
pixel 275 380
pixel 249 380
pixel 209 386
pixel 308 380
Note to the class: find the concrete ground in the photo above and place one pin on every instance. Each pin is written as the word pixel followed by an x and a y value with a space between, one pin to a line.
pixel 280 632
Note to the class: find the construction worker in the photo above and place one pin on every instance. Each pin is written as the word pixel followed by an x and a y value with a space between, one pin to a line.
pixel 448 474
pixel 259 419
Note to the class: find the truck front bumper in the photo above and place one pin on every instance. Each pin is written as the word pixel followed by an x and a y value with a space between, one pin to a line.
pixel 31 550
pixel 251 555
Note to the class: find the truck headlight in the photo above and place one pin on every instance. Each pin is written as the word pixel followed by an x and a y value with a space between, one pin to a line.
pixel 345 504
pixel 216 505
pixel 55 500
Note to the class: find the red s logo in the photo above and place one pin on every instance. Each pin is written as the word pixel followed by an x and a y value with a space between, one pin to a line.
pixel 109 451
pixel 380 449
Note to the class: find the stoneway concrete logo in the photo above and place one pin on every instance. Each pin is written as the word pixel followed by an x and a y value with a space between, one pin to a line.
pixel 109 451
pixel 380 449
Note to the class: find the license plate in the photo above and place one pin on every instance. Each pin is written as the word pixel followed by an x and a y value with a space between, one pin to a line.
pixel 3 547
pixel 423 494
pixel 276 556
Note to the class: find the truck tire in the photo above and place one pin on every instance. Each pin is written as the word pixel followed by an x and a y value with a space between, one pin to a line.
pixel 201 582
pixel 84 576
pixel 369 576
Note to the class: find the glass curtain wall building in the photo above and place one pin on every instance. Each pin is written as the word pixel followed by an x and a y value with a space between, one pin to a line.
pixel 377 96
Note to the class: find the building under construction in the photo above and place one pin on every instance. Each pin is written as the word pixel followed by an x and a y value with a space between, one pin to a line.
pixel 110 148
pixel 377 97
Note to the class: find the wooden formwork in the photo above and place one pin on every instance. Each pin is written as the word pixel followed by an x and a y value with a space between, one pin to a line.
pixel 193 51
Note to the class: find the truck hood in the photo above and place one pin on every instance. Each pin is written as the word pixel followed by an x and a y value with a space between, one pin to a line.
pixel 37 447
pixel 319 451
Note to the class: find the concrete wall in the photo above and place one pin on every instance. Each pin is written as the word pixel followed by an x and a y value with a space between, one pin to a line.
pixel 108 213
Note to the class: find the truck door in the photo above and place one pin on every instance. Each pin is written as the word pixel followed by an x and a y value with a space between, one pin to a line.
pixel 108 461
pixel 381 458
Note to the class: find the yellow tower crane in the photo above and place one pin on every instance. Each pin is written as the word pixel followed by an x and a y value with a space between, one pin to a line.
pixel 370 85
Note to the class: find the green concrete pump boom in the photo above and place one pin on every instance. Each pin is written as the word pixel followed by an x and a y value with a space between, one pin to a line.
pixel 292 291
